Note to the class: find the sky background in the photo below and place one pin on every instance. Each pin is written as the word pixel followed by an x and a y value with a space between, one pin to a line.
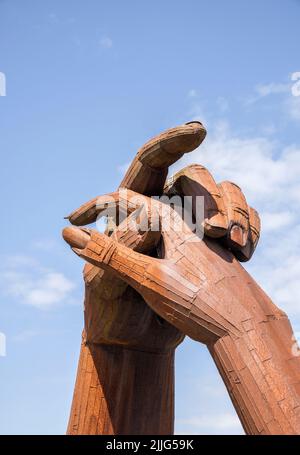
pixel 87 83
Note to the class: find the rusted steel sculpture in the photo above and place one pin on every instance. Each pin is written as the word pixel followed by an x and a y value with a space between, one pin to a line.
pixel 145 288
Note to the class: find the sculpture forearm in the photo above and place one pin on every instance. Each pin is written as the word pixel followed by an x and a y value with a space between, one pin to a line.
pixel 262 376
pixel 123 391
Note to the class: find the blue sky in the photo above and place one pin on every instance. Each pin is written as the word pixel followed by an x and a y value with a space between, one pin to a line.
pixel 87 83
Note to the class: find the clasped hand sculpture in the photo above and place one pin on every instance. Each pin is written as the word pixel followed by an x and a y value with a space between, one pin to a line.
pixel 145 288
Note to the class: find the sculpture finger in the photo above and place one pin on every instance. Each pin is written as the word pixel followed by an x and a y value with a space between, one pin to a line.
pixel 104 252
pixel 141 231
pixel 255 226
pixel 161 283
pixel 118 205
pixel 253 236
pixel 148 171
pixel 152 278
pixel 237 214
pixel 196 181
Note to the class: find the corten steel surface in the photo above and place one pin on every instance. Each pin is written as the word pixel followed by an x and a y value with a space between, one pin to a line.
pixel 146 289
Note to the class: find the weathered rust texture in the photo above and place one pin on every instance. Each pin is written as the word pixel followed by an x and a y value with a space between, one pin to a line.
pixel 109 395
pixel 197 288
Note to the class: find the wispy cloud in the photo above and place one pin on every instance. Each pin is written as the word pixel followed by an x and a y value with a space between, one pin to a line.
pixel 25 335
pixel 44 244
pixel 106 42
pixel 272 88
pixel 25 280
pixel 53 18
pixel 278 273
pixel 266 170
pixel 263 90
pixel 276 220
pixel 288 102
pixel 192 93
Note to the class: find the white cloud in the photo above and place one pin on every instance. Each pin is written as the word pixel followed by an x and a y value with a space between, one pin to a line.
pixel 271 89
pixel 278 220
pixel 263 90
pixel 263 169
pixel 106 42
pixel 53 18
pixel 285 283
pixel 28 282
pixel 44 244
pixel 19 260
pixel 289 103
pixel 277 268
pixel 48 290
pixel 192 93
pixel 268 129
pixel 25 335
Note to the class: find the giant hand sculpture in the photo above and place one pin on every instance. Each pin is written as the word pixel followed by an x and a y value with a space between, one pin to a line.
pixel 125 379
pixel 197 286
